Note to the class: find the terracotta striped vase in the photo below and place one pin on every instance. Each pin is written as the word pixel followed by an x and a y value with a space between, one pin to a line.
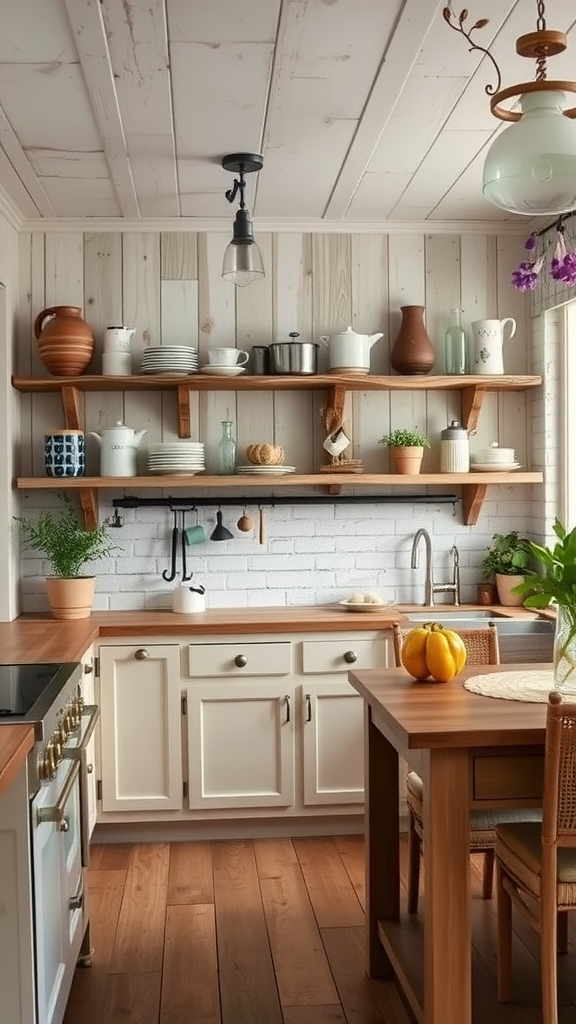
pixel 66 342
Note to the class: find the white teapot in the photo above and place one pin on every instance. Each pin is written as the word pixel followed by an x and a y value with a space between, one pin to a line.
pixel 118 445
pixel 349 351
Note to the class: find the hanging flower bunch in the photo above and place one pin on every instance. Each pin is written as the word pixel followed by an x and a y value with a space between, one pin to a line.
pixel 526 276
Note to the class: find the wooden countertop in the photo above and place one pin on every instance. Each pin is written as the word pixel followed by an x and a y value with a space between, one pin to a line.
pixel 15 743
pixel 41 638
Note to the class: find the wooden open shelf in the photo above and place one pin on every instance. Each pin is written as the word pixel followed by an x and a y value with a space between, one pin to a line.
pixel 472 388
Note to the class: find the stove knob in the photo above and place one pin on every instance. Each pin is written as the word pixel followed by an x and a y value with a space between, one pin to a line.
pixel 47 763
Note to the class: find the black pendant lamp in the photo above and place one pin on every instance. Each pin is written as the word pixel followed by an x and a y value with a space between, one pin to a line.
pixel 242 259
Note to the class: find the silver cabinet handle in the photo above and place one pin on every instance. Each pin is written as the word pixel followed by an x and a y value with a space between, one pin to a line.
pixel 56 813
pixel 350 657
pixel 88 669
pixel 75 902
pixel 287 703
pixel 240 661
pixel 141 654
pixel 308 708
pixel 64 825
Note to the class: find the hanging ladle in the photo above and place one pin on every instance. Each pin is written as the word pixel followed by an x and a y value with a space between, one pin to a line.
pixel 170 574
pixel 245 524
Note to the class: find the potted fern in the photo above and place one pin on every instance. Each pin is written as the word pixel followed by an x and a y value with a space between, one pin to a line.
pixel 406 449
pixel 68 546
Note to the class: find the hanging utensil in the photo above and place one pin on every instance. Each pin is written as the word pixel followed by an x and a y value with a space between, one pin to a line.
pixel 170 574
pixel 220 532
pixel 261 526
pixel 245 523
pixel 185 575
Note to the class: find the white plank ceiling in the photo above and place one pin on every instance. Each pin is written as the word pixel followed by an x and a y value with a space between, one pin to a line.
pixel 366 111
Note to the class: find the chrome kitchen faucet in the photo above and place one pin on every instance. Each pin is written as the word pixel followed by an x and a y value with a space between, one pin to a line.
pixel 431 588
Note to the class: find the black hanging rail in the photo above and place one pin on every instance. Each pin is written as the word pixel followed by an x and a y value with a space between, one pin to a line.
pixel 132 501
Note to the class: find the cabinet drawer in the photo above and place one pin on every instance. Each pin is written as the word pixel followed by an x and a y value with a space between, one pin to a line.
pixel 341 655
pixel 238 659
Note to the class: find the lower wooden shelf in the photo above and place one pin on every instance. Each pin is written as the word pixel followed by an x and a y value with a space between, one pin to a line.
pixel 473 485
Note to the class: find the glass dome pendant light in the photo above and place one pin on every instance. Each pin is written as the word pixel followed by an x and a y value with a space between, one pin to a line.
pixel 242 262
pixel 530 167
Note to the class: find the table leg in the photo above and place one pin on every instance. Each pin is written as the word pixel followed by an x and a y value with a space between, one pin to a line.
pixel 381 842
pixel 447 932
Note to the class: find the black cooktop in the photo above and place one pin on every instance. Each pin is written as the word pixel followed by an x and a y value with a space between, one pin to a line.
pixel 28 691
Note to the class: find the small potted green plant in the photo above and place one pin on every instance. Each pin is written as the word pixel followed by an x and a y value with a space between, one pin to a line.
pixel 406 449
pixel 505 562
pixel 68 546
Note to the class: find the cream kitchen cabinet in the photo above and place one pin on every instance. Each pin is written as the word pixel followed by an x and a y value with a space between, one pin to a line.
pixel 240 732
pixel 333 719
pixel 89 790
pixel 140 705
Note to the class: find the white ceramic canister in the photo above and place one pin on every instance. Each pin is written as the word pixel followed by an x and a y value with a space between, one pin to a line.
pixel 189 599
pixel 454 449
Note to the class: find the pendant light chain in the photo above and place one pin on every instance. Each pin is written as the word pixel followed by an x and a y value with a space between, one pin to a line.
pixel 541 67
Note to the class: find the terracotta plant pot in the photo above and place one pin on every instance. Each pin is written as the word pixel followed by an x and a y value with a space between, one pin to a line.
pixel 407 460
pixel 504 585
pixel 72 598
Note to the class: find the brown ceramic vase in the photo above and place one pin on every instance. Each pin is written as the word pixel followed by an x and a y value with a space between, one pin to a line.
pixel 412 351
pixel 66 342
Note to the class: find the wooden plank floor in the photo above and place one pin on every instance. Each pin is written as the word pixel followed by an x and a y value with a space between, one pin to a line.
pixel 268 931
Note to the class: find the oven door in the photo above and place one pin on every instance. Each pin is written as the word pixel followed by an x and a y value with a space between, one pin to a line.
pixel 59 910
pixel 79 748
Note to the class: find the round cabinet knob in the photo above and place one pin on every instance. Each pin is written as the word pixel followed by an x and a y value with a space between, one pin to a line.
pixel 350 657
pixel 88 669
pixel 240 661
pixel 64 825
pixel 141 654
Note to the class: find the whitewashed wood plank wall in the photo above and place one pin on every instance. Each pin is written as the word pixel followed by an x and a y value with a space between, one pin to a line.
pixel 168 287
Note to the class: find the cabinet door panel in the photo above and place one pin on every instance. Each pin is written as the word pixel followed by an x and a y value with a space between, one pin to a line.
pixel 240 745
pixel 333 716
pixel 140 727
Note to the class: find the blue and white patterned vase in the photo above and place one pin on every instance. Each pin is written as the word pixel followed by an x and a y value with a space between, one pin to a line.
pixel 64 453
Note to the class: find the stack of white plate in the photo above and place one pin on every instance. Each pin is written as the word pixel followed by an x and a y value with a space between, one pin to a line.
pixel 266 470
pixel 172 360
pixel 493 460
pixel 181 457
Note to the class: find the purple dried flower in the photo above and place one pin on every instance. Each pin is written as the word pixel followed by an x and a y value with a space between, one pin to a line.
pixel 525 277
pixel 531 242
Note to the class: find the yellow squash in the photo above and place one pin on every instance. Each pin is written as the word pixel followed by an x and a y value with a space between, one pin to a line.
pixel 431 650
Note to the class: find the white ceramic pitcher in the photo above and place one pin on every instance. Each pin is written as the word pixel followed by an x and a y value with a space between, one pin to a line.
pixel 118 449
pixel 487 344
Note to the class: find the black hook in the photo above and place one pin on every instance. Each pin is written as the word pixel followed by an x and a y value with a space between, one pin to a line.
pixel 171 575
pixel 185 575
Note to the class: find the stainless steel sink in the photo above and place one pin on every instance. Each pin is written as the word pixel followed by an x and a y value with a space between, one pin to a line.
pixel 520 640
pixel 438 613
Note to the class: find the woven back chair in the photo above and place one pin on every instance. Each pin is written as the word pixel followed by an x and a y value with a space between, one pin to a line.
pixel 482 649
pixel 539 861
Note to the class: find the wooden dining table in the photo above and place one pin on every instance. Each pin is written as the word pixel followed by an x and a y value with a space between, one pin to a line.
pixel 471 751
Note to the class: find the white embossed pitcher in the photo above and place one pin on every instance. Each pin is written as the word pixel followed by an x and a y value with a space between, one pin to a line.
pixel 487 343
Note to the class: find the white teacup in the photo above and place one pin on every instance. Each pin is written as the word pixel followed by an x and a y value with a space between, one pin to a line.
pixel 228 357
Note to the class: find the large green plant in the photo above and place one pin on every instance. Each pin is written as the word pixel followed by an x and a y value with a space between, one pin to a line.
pixel 402 438
pixel 555 584
pixel 508 555
pixel 64 541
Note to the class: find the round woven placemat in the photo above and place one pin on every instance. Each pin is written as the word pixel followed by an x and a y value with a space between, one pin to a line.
pixel 531 685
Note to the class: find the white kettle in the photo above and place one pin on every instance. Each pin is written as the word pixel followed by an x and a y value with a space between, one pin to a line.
pixel 119 445
pixel 349 351
pixel 188 599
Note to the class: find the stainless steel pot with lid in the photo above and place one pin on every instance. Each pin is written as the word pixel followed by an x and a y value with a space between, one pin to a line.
pixel 295 357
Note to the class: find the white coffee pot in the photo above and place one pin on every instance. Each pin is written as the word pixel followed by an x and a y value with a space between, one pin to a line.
pixel 487 344
pixel 118 448
pixel 189 599
pixel 349 350
pixel 118 339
